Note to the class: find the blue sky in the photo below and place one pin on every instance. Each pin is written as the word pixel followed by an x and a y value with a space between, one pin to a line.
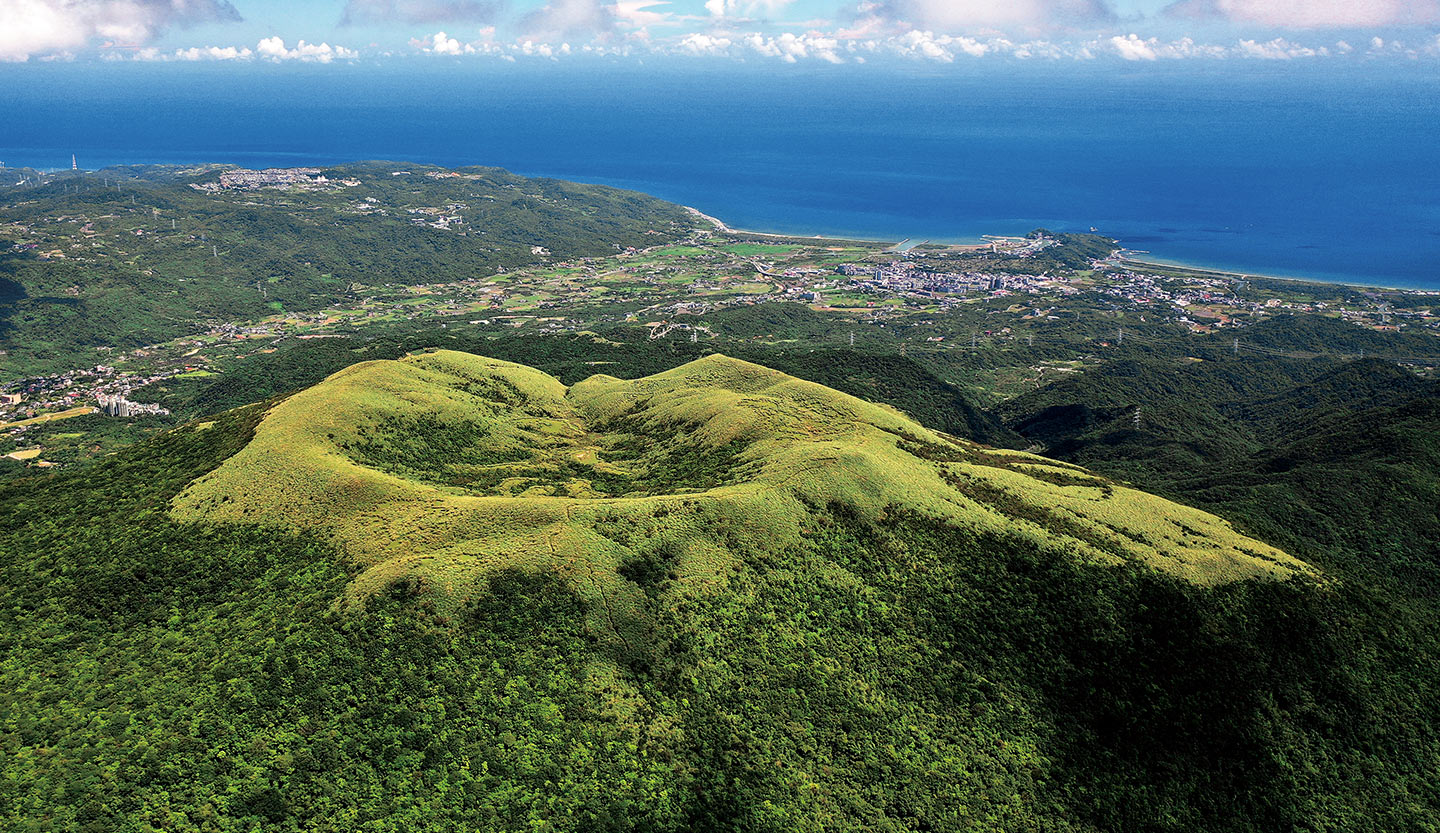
pixel 783 31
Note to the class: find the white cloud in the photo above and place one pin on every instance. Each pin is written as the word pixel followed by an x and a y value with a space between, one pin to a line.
pixel 214 53
pixel 274 49
pixel 746 8
pixel 1131 48
pixel 420 11
pixel 792 48
pixel 559 18
pixel 698 43
pixel 639 14
pixel 981 15
pixel 1312 14
pixel 1278 49
pixel 933 47
pixel 40 27
pixel 441 44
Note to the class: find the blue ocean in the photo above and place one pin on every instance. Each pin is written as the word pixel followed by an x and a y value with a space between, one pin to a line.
pixel 1279 169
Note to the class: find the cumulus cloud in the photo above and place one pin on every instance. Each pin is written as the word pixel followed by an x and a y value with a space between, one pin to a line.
pixel 274 49
pixel 214 53
pixel 699 43
pixel 441 44
pixel 792 48
pixel 972 15
pixel 269 49
pixel 1132 48
pixel 1311 14
pixel 938 47
pixel 40 27
pixel 1278 49
pixel 421 11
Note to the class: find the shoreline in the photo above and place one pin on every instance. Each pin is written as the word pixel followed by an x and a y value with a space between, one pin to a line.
pixel 1260 276
pixel 1155 263
pixel 723 228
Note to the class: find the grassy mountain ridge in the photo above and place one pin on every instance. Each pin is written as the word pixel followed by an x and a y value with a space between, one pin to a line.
pixel 876 376
pixel 444 464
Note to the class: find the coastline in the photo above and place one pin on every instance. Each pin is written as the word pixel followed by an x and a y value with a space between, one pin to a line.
pixel 723 228
pixel 1153 263
pixel 1156 263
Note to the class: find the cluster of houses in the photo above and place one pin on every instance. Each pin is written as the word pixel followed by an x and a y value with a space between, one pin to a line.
pixel 100 384
pixel 117 405
pixel 905 276
pixel 243 179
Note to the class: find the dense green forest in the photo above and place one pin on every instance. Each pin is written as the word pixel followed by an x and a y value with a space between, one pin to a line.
pixel 893 674
pixel 1336 458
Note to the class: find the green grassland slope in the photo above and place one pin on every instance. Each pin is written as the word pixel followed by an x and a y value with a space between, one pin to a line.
pixel 445 465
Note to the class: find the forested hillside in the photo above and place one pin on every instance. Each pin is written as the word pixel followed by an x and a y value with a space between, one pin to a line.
pixel 131 256
pixel 1338 458
pixel 886 671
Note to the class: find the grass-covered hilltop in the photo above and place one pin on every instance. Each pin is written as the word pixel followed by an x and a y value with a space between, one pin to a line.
pixel 445 467
pixel 446 591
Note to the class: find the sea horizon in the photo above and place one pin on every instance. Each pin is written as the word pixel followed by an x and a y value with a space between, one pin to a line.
pixel 1238 177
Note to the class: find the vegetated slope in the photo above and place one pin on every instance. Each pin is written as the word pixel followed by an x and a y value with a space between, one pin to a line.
pixel 1336 458
pixel 126 257
pixel 885 660
pixel 444 466
pixel 875 376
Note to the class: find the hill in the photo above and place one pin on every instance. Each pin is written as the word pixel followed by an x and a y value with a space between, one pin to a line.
pixel 128 257
pixel 450 592
pixel 485 465
pixel 1334 458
